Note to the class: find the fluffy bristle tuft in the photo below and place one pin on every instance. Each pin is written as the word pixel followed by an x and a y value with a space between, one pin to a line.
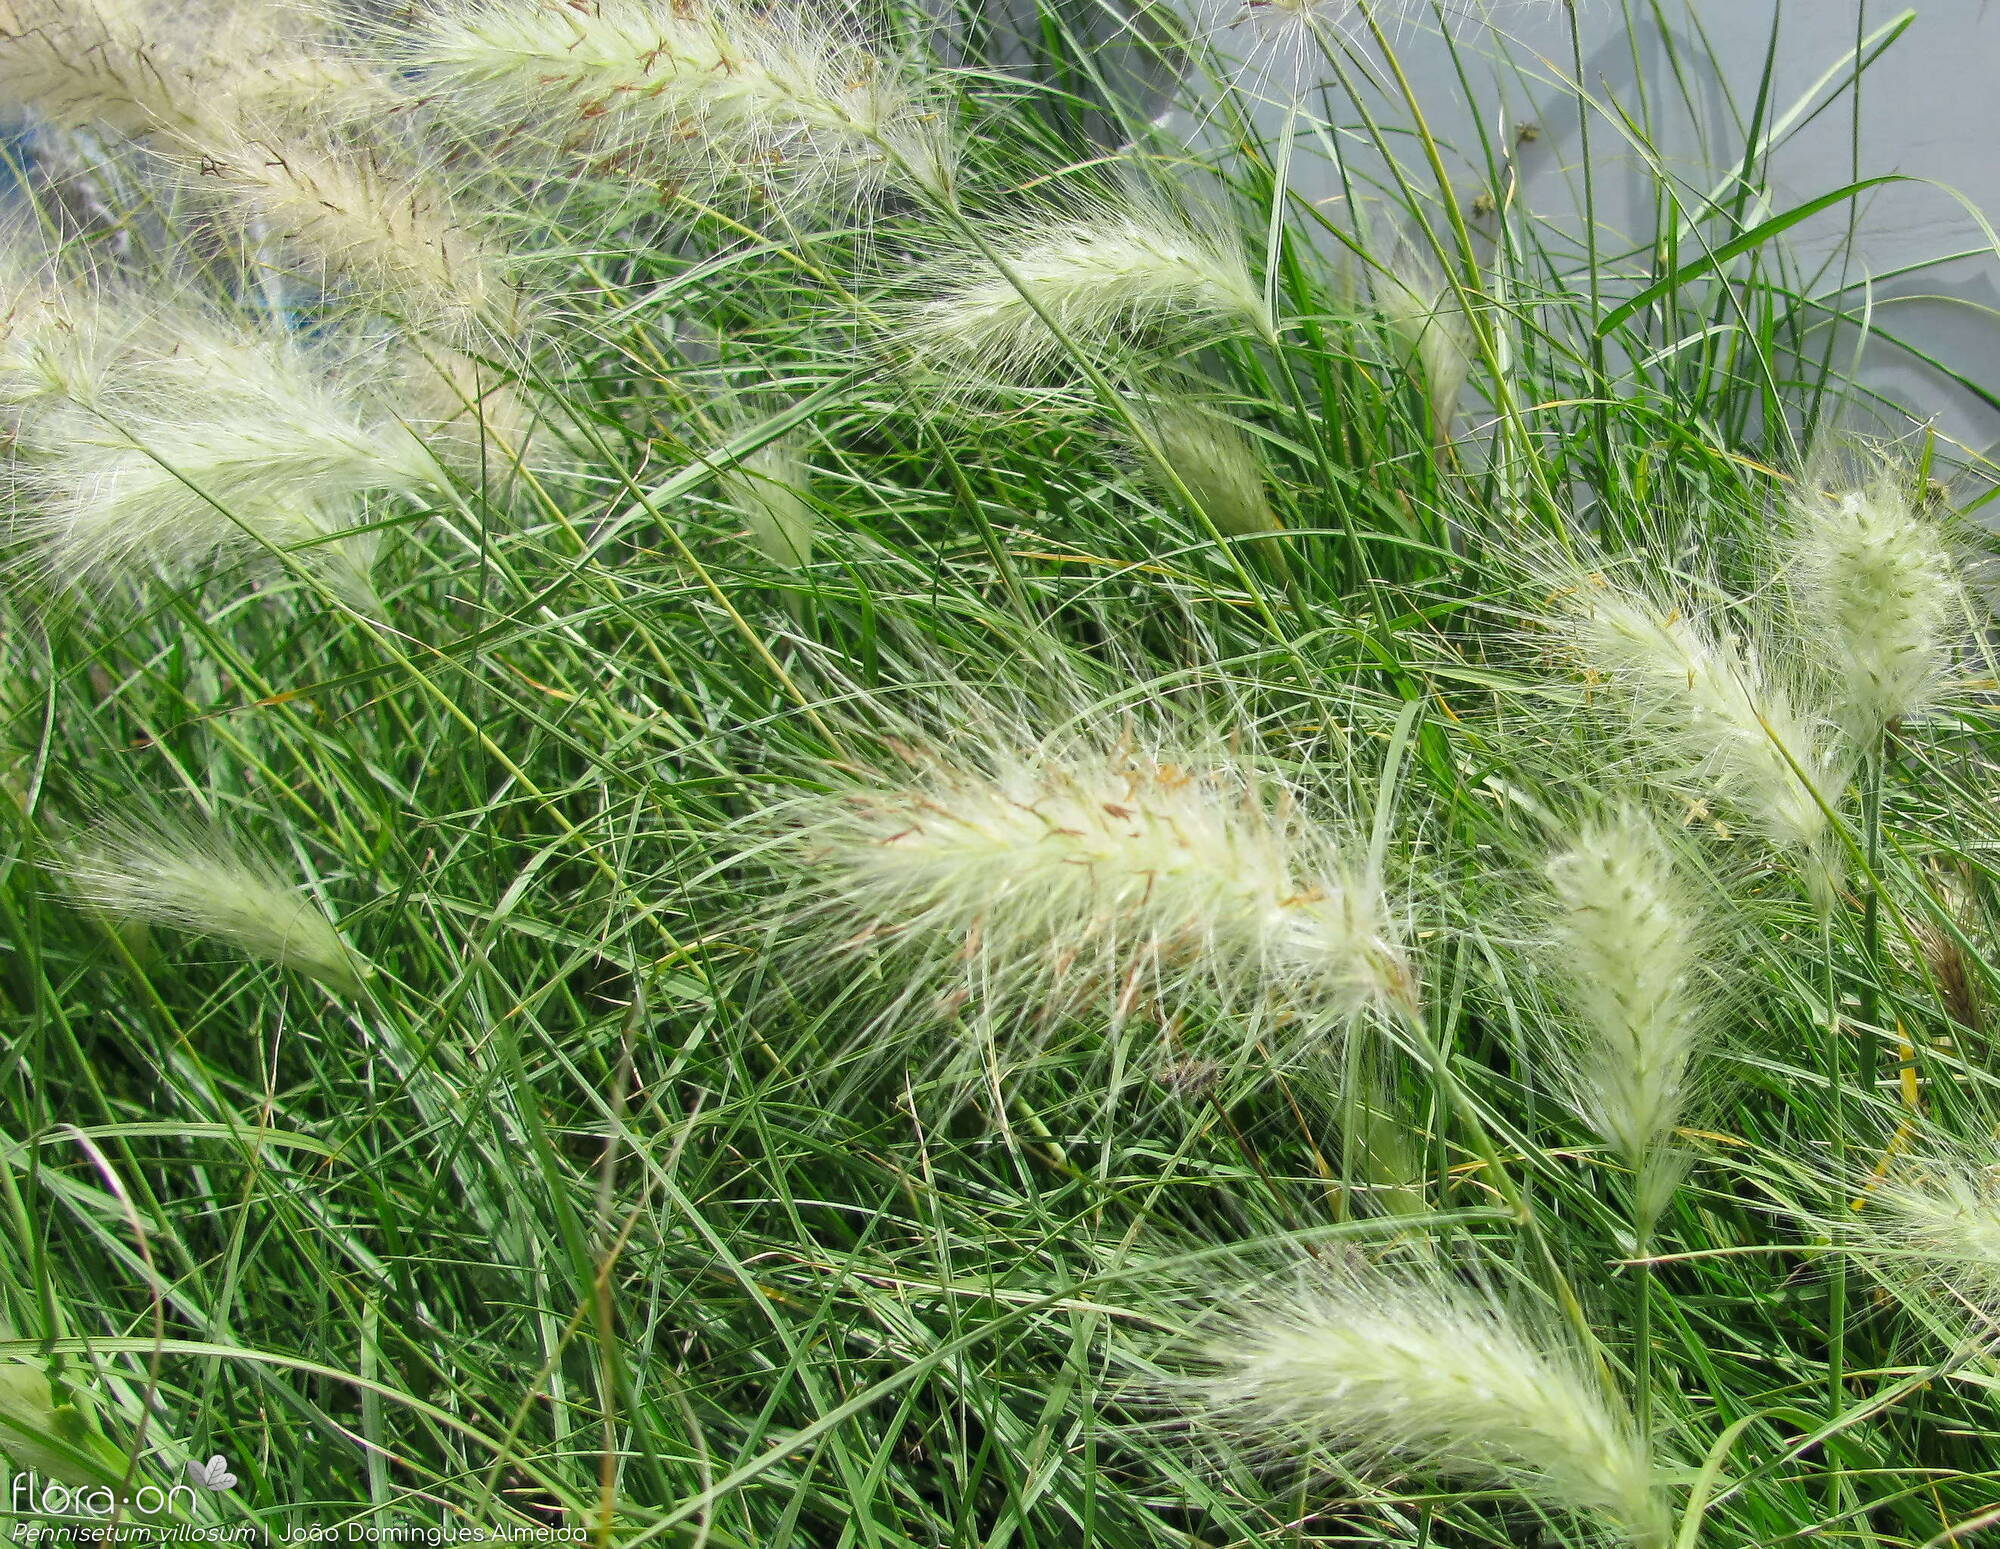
pixel 1700 704
pixel 1385 1369
pixel 164 441
pixel 198 882
pixel 1216 463
pixel 701 91
pixel 1106 282
pixel 1878 593
pixel 1033 883
pixel 1624 946
pixel 1939 1218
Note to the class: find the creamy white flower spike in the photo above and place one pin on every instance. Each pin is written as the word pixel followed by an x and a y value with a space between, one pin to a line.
pixel 1021 882
pixel 1704 705
pixel 1405 1372
pixel 1108 279
pixel 196 881
pixel 1624 950
pixel 351 222
pixel 1879 600
pixel 165 442
pixel 1425 316
pixel 688 89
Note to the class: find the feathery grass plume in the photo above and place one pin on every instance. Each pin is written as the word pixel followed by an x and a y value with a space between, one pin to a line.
pixel 1032 880
pixel 1216 463
pixel 1937 1215
pixel 99 63
pixel 1624 944
pixel 1401 1369
pixel 768 487
pixel 1877 595
pixel 199 882
pixel 175 71
pixel 353 222
pixel 1423 313
pixel 194 443
pixel 1708 707
pixel 1098 280
pixel 685 89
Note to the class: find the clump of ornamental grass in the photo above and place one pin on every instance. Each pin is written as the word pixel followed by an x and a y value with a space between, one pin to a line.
pixel 1711 709
pixel 1623 947
pixel 1084 286
pixel 1405 1372
pixel 1876 593
pixel 1208 455
pixel 199 881
pixel 684 91
pixel 768 486
pixel 1012 881
pixel 167 442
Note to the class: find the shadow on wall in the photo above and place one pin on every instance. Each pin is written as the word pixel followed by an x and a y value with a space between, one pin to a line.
pixel 1912 307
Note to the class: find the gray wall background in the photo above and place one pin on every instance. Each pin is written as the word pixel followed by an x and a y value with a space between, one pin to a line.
pixel 1923 265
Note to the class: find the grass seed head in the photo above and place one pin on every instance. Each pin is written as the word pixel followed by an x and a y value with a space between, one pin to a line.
pixel 1938 1217
pixel 352 222
pixel 706 90
pixel 1877 593
pixel 1216 463
pixel 192 441
pixel 1402 1370
pixel 1424 315
pixel 1031 881
pixel 1624 946
pixel 1706 706
pixel 1109 280
pixel 198 882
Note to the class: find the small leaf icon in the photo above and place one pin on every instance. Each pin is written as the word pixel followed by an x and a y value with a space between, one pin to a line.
pixel 212 1475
